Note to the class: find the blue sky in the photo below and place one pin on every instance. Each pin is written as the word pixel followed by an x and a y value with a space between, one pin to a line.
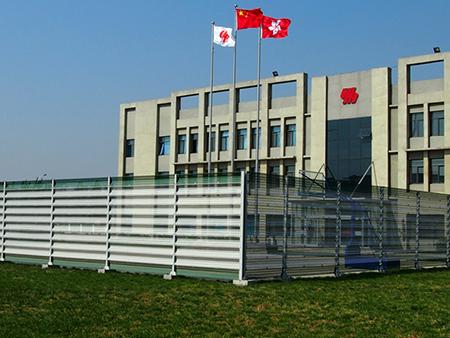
pixel 65 66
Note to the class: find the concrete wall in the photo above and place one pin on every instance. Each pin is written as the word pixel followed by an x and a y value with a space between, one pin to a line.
pixel 387 103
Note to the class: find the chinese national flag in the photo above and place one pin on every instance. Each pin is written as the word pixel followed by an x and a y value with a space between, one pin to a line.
pixel 274 28
pixel 248 18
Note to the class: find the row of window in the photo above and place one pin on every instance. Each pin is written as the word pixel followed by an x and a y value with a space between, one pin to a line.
pixel 242 143
pixel 437 171
pixel 436 124
pixel 289 170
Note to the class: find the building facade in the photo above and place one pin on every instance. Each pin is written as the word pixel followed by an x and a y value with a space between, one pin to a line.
pixel 385 126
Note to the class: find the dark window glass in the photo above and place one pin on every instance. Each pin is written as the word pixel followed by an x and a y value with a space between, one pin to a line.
pixel 437 170
pixel 289 170
pixel 213 141
pixel 253 140
pixel 242 139
pixel 194 143
pixel 274 176
pixel 224 140
pixel 274 170
pixel 349 150
pixel 129 148
pixel 290 135
pixel 416 125
pixel 275 136
pixel 415 171
pixel 437 123
pixel 164 145
pixel 181 144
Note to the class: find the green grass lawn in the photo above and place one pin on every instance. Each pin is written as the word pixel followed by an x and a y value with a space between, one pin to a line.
pixel 63 302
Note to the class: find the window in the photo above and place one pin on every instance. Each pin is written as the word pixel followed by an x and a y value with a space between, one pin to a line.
pixel 289 170
pixel 437 170
pixel 437 123
pixel 129 148
pixel 213 141
pixel 290 135
pixel 415 171
pixel 194 143
pixel 181 144
pixel 275 136
pixel 253 140
pixel 242 139
pixel 164 145
pixel 274 170
pixel 224 140
pixel 416 125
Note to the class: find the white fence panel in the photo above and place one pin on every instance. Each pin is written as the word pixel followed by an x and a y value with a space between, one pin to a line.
pixel 187 226
pixel 26 223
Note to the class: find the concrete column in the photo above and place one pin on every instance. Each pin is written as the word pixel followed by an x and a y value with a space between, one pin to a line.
pixel 318 123
pixel 299 122
pixel 426 126
pixel 264 115
pixel 146 139
pixel 447 171
pixel 232 106
pixel 380 126
pixel 426 171
pixel 282 137
pixel 203 123
pixel 173 134
pixel 402 164
pixel 122 129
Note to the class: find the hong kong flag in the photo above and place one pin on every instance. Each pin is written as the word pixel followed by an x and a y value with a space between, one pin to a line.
pixel 274 28
pixel 248 18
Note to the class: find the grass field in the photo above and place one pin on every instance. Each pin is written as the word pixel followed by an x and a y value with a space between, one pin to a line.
pixel 62 302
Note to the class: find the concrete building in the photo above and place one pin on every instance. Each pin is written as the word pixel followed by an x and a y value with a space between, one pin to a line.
pixel 336 125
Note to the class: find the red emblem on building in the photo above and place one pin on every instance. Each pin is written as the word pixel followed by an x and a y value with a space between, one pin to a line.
pixel 349 95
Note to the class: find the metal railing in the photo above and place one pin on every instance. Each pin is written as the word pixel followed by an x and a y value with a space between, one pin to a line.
pixel 295 228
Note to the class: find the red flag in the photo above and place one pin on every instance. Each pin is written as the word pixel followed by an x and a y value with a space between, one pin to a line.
pixel 248 18
pixel 274 28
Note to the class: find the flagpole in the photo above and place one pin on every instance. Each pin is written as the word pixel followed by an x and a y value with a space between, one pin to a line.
pixel 258 100
pixel 211 97
pixel 233 119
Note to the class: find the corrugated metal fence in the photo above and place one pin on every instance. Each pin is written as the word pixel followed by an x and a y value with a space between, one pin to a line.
pixel 188 226
pixel 235 226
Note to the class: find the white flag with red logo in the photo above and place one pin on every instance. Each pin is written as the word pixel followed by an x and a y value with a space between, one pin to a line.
pixel 223 36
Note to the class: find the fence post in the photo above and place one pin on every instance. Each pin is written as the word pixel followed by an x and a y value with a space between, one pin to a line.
pixel 2 247
pixel 448 232
pixel 108 226
pixel 173 271
pixel 417 258
pixel 243 223
pixel 337 270
pixel 52 224
pixel 381 267
pixel 284 273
